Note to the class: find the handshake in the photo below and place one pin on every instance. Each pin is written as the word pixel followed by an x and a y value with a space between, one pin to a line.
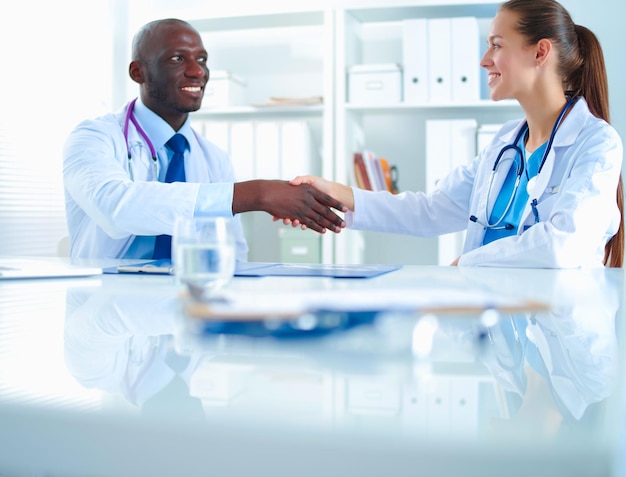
pixel 308 202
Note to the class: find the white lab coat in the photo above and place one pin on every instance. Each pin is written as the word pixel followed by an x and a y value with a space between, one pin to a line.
pixel 576 194
pixel 107 206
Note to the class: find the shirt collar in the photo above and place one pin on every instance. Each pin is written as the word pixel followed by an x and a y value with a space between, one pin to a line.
pixel 157 129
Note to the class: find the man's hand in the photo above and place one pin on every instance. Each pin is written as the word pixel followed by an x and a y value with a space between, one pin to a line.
pixel 304 203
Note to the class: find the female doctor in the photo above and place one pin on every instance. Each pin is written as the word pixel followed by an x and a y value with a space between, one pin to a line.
pixel 547 192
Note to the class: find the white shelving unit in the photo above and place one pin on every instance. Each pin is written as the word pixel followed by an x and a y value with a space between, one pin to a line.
pixel 287 55
pixel 396 131
pixel 283 51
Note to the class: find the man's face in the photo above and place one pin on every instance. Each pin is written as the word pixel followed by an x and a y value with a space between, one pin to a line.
pixel 176 73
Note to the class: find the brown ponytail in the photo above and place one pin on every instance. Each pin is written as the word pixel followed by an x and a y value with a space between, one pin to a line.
pixel 590 81
pixel 582 68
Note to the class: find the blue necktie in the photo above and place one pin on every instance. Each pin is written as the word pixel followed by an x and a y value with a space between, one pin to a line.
pixel 175 173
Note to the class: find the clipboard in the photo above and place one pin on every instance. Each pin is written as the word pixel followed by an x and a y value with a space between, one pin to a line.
pixel 266 269
pixel 261 269
pixel 153 267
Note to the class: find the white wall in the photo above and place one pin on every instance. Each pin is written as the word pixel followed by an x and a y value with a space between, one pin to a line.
pixel 67 60
pixel 606 19
pixel 56 71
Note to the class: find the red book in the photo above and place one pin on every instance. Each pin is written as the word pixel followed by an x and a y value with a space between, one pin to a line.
pixel 360 172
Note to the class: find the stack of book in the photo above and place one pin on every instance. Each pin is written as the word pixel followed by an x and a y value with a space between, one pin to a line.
pixel 374 173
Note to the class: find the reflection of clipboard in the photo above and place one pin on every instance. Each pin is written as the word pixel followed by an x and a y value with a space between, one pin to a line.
pixel 310 312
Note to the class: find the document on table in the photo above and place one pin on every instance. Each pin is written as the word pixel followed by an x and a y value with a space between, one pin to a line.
pixel 290 304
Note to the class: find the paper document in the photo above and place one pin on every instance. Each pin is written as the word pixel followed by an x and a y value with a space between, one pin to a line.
pixel 12 268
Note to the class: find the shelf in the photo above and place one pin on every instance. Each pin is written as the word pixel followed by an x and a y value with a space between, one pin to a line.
pixel 254 111
pixel 400 107
pixel 426 9
pixel 250 22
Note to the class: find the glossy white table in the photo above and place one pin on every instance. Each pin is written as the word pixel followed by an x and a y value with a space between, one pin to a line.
pixel 102 376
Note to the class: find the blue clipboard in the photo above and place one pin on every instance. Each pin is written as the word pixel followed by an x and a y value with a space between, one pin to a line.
pixel 260 269
pixel 267 269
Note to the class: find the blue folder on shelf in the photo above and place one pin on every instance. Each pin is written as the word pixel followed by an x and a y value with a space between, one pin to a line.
pixel 266 269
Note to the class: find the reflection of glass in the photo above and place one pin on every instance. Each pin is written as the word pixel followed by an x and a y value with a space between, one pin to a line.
pixel 204 254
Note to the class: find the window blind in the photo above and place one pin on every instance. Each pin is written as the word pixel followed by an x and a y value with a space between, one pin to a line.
pixel 32 209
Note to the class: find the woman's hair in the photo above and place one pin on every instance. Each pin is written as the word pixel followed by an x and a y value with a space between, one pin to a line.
pixel 581 64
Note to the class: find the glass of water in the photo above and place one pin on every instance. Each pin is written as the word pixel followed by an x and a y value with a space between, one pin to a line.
pixel 204 254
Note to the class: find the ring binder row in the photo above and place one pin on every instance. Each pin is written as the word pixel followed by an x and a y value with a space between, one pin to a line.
pixel 451 143
pixel 265 149
pixel 441 59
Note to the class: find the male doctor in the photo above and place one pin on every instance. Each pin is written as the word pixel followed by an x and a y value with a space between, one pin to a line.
pixel 119 192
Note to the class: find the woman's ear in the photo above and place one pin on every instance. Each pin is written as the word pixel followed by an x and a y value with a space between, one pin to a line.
pixel 544 48
pixel 135 71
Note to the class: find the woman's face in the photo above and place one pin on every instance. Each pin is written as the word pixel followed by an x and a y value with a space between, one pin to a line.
pixel 510 63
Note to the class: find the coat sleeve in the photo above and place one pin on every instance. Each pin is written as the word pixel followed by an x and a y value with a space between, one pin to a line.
pixel 97 179
pixel 445 210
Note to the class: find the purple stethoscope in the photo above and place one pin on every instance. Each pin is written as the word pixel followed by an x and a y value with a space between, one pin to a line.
pixel 130 118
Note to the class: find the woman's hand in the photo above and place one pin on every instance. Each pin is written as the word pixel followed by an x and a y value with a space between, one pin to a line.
pixel 338 191
pixel 331 189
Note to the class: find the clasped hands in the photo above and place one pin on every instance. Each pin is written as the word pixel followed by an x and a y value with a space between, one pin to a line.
pixel 331 194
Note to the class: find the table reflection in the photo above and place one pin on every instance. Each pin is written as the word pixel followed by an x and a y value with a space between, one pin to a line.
pixel 530 374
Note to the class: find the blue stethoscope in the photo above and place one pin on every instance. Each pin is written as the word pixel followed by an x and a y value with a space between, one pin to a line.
pixel 130 118
pixel 521 169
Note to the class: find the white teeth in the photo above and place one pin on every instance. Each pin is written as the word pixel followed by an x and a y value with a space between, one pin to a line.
pixel 192 88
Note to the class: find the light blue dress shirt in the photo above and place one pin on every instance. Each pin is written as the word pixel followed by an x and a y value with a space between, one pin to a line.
pixel 115 206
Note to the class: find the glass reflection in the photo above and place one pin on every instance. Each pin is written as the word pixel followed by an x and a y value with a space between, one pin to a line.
pixel 555 369
pixel 525 375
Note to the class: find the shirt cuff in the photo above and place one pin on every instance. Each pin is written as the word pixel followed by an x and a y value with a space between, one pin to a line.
pixel 215 199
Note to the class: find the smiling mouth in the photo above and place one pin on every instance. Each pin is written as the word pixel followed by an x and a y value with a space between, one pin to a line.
pixel 493 76
pixel 192 89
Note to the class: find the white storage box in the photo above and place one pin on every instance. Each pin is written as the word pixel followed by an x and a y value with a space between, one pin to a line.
pixel 375 84
pixel 224 89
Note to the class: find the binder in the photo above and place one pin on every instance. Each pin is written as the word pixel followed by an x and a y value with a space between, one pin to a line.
pixel 415 60
pixel 242 149
pixel 449 144
pixel 486 133
pixel 439 60
pixel 465 59
pixel 218 132
pixel 267 150
pixel 462 141
pixel 438 152
pixel 295 150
